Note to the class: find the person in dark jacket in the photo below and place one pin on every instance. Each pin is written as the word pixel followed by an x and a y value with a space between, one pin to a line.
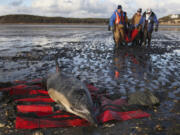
pixel 147 22
pixel 119 20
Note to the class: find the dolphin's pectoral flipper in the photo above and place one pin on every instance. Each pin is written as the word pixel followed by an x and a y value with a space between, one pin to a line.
pixel 59 98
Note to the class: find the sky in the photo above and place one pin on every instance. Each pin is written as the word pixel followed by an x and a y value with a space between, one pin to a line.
pixel 86 8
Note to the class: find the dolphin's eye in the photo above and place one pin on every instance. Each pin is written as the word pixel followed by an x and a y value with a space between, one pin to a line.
pixel 72 108
pixel 80 92
pixel 79 95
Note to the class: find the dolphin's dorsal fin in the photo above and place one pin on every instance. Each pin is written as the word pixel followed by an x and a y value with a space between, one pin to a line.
pixel 57 65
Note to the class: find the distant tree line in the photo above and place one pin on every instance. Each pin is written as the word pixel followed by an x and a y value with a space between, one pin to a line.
pixel 30 19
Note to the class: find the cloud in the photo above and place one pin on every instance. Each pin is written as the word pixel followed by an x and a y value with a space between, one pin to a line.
pixel 77 8
pixel 16 2
pixel 88 8
pixel 162 8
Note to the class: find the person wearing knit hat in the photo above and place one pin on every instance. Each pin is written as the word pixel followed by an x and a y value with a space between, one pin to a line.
pixel 119 21
pixel 119 7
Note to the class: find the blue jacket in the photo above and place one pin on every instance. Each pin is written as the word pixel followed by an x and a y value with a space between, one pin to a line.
pixel 113 18
pixel 152 19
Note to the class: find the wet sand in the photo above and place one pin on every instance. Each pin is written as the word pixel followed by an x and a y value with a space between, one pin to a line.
pixel 27 52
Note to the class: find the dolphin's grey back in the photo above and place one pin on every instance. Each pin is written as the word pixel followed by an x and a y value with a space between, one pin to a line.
pixel 70 87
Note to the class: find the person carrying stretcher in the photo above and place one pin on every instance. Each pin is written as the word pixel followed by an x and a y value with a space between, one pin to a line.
pixel 119 21
pixel 135 21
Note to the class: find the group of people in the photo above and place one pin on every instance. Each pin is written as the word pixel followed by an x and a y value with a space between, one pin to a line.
pixel 144 23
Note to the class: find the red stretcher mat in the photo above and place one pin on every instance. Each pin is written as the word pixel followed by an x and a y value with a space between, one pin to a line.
pixel 35 109
pixel 132 36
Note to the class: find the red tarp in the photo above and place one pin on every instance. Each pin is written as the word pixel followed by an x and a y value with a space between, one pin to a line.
pixel 132 36
pixel 29 123
pixel 35 109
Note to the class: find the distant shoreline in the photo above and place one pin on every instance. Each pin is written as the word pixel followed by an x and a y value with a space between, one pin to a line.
pixel 53 24
pixel 33 19
pixel 103 24
pixel 169 24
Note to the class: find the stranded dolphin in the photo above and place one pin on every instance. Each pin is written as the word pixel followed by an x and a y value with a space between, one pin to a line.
pixel 71 94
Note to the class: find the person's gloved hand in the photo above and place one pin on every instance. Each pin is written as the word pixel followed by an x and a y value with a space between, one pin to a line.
pixel 156 29
pixel 110 28
pixel 137 25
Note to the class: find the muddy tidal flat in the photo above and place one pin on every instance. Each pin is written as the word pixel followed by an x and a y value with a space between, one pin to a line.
pixel 87 52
